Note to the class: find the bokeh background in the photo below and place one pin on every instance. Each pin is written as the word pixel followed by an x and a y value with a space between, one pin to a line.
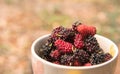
pixel 23 21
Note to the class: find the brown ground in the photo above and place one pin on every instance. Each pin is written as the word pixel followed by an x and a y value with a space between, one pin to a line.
pixel 22 21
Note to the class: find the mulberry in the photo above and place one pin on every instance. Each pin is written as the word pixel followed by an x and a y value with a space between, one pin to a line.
pixel 76 63
pixel 63 46
pixel 61 33
pixel 87 64
pixel 86 31
pixel 74 26
pixel 78 42
pixel 81 55
pixel 66 60
pixel 46 49
pixel 107 56
pixel 97 58
pixel 92 45
pixel 74 46
pixel 55 54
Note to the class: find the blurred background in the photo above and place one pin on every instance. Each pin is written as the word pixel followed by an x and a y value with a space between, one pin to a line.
pixel 23 21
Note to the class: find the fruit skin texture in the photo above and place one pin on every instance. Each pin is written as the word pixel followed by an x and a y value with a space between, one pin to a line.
pixel 92 45
pixel 78 42
pixel 66 60
pixel 97 58
pixel 61 33
pixel 77 63
pixel 87 64
pixel 85 30
pixel 55 54
pixel 107 56
pixel 47 48
pixel 63 47
pixel 81 55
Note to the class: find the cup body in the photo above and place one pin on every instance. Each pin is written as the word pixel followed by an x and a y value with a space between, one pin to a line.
pixel 41 66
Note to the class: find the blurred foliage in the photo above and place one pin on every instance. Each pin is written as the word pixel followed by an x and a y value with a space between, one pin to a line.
pixel 55 17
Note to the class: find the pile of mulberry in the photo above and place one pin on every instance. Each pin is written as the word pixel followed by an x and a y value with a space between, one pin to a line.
pixel 74 46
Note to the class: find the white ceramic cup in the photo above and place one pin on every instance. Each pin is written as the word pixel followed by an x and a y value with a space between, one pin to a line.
pixel 41 66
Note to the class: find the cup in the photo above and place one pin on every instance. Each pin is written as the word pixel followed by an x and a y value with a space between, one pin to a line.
pixel 41 66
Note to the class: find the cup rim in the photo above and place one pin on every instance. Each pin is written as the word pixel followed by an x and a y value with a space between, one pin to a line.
pixel 34 54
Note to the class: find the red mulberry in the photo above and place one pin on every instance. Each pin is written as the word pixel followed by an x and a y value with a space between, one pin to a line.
pixel 76 63
pixel 87 64
pixel 85 30
pixel 63 46
pixel 55 54
pixel 78 42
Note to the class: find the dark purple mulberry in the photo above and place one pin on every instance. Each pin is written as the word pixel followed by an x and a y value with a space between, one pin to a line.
pixel 97 58
pixel 66 60
pixel 92 45
pixel 61 33
pixel 107 56
pixel 46 50
pixel 81 55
